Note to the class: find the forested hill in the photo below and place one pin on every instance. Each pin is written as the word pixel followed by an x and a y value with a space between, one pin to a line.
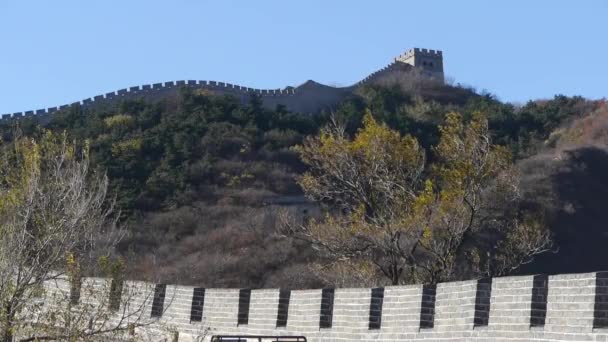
pixel 199 179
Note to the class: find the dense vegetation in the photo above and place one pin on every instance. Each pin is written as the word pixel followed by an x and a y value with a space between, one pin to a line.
pixel 200 178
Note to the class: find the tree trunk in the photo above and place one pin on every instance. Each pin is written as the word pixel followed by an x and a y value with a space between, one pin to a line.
pixel 395 274
pixel 7 334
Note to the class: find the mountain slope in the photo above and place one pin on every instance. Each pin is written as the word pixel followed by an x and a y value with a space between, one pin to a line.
pixel 200 178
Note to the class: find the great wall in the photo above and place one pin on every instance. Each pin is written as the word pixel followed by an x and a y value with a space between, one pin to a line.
pixel 309 97
pixel 572 307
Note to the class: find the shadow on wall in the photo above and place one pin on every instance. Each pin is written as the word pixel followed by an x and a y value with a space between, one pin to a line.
pixel 575 185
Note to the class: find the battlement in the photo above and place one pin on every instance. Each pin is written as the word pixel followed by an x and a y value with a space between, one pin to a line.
pixel 421 52
pixel 158 88
pixel 522 308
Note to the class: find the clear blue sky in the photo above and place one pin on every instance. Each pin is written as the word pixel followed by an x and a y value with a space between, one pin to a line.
pixel 60 51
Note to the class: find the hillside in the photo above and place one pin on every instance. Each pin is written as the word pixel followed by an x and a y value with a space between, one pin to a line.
pixel 200 178
pixel 568 178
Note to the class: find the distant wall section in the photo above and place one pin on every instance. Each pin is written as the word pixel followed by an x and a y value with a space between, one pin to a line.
pixel 310 97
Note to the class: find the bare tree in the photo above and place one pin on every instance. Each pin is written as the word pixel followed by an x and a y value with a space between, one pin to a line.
pixel 56 226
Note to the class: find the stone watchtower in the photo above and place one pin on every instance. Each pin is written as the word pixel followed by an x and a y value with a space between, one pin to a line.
pixel 429 61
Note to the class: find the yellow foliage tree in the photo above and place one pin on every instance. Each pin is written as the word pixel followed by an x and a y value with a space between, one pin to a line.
pixel 416 221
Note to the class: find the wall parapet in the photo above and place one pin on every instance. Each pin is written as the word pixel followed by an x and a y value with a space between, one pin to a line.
pixel 148 90
pixel 520 308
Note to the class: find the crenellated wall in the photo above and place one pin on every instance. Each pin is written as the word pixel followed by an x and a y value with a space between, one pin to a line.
pixel 572 307
pixel 310 97
pixel 159 90
pixel 387 70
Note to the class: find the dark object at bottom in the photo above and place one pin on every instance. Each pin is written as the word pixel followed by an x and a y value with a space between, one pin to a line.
pixel 256 338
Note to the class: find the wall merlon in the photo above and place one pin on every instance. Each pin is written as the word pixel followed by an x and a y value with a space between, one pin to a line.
pixel 574 276
pixel 134 89
pixel 180 83
pixel 40 111
pixel 420 52
pixel 122 92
